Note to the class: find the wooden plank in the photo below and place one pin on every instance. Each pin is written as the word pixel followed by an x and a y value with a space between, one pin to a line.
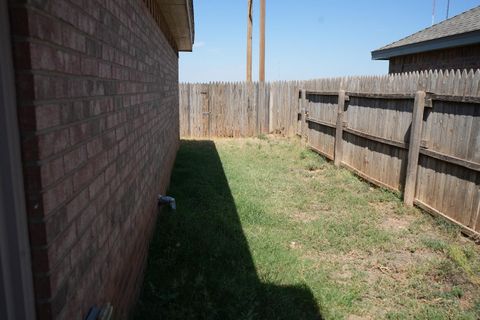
pixel 455 98
pixel 338 155
pixel 368 178
pixel 468 231
pixel 271 126
pixel 450 159
pixel 321 122
pixel 390 96
pixel 326 155
pixel 322 93
pixel 414 148
pixel 394 143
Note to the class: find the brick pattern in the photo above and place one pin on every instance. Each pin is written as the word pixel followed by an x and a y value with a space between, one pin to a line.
pixel 467 57
pixel 97 86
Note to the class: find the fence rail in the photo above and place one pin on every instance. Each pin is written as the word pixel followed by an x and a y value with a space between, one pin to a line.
pixel 416 133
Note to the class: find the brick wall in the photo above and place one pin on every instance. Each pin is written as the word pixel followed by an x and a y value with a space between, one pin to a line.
pixel 467 57
pixel 97 86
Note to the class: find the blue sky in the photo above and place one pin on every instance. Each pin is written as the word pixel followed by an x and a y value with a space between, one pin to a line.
pixel 305 39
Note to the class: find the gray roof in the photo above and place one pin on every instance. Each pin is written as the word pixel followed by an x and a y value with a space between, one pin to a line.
pixel 462 29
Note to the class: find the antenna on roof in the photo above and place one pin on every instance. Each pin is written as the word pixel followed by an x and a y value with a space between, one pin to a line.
pixel 448 7
pixel 433 12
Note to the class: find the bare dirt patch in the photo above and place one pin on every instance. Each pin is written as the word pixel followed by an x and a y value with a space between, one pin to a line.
pixel 304 217
pixel 395 223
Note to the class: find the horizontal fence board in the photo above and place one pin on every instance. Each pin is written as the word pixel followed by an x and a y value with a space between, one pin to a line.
pixel 322 122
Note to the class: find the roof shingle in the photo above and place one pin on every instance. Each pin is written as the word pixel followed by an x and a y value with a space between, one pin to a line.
pixel 465 22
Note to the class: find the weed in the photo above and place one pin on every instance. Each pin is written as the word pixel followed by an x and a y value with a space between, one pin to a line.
pixel 262 136
pixel 435 244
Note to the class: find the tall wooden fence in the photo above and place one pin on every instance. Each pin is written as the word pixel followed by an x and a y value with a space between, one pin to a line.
pixel 238 109
pixel 416 133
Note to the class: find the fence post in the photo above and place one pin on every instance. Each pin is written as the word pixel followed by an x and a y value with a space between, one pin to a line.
pixel 303 111
pixel 414 148
pixel 339 129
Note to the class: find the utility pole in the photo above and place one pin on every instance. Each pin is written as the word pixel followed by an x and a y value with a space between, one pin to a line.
pixel 261 73
pixel 249 40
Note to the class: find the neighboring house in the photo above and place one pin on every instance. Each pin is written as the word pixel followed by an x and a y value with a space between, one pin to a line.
pixel 450 44
pixel 89 130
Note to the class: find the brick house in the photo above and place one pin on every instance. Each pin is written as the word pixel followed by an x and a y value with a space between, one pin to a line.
pixel 450 44
pixel 88 136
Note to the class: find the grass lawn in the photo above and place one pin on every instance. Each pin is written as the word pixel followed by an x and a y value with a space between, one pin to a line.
pixel 265 229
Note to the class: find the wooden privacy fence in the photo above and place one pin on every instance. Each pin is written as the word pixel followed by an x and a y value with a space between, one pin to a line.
pixel 417 133
pixel 238 109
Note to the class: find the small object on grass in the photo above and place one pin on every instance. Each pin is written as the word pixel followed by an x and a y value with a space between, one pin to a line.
pixel 163 200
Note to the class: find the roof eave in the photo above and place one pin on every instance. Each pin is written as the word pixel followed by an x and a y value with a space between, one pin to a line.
pixel 463 39
pixel 179 17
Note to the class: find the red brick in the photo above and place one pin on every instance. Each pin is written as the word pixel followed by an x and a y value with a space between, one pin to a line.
pixel 92 161
pixel 51 171
pixel 101 106
pixel 105 70
pixel 79 133
pixel 55 224
pixel 44 28
pixel 58 249
pixel 75 158
pixel 85 219
pixel 47 116
pixel 66 12
pixel 49 87
pixel 89 66
pixel 78 203
pixel 94 147
pixel 82 176
pixel 53 142
pixel 56 195
pixel 73 63
pixel 100 162
pixel 44 57
pixel 86 24
pixel 73 40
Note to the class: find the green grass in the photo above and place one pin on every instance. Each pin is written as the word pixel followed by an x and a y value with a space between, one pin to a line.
pixel 266 229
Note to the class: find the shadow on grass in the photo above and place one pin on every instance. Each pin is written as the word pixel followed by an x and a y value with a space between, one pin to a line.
pixel 199 264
